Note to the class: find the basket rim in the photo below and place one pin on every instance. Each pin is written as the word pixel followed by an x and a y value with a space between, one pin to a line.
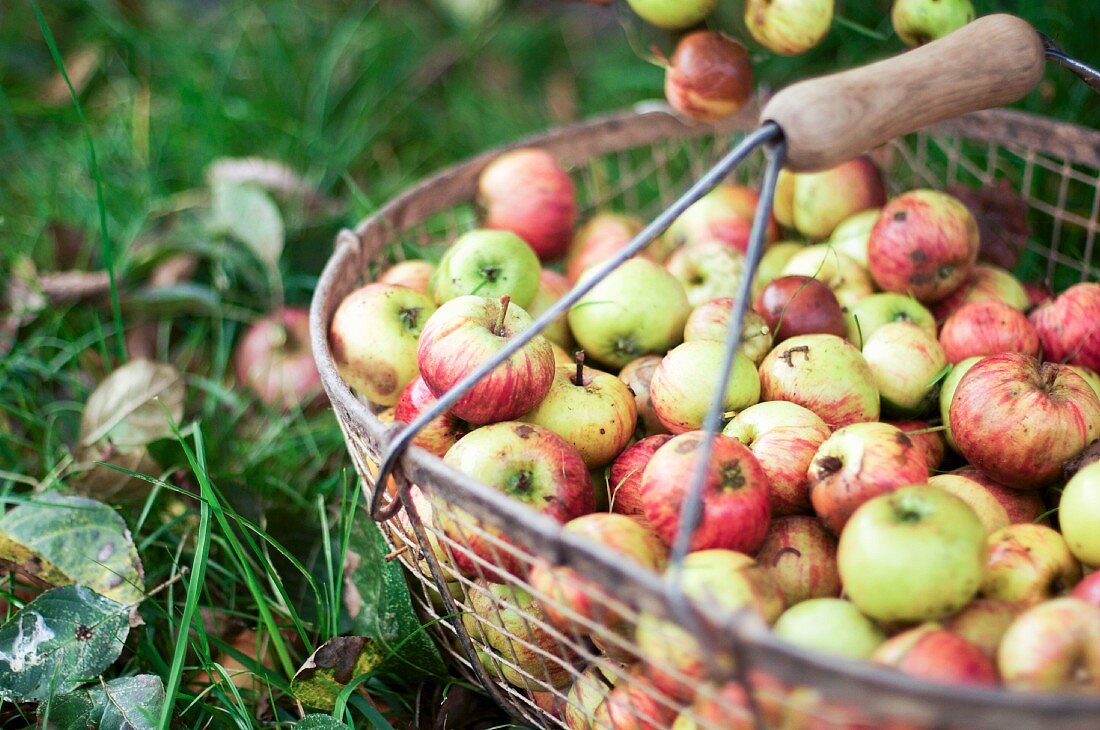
pixel 575 143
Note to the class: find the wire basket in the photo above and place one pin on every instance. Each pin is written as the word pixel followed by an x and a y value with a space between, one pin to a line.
pixel 543 661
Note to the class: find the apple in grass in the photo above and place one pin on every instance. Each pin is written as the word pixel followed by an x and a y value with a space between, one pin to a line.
pixel 842 274
pixel 672 14
pixel 984 621
pixel 822 200
pixel 858 463
pixel 638 375
pixel 907 364
pixel 1021 505
pixel 947 392
pixel 801 554
pixel 724 214
pixel 927 437
pixel 1067 326
pixel 707 270
pixel 986 283
pixel 1053 647
pixel 527 192
pixel 416 274
pixel 784 437
pixel 638 309
pixel 710 321
pixel 824 374
pixel 799 305
pixel 1079 514
pixel 379 360
pixel 921 21
pixel 934 653
pixel 1029 563
pixel 552 286
pixel 274 359
pixel 788 27
pixel 925 244
pixel 1017 420
pixel 599 239
pixel 442 432
pixel 987 328
pixel 832 626
pixel 626 476
pixel 915 554
pixel 868 314
pixel 851 235
pixel 708 77
pixel 684 385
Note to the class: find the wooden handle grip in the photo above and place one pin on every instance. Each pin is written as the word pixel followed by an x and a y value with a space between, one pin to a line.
pixel 992 61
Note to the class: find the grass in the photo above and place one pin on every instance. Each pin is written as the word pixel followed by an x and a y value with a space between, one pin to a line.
pixel 247 521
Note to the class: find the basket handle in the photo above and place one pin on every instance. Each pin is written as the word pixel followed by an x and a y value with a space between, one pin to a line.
pixel 992 61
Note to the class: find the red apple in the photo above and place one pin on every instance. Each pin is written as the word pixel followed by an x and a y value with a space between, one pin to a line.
pixel 1088 590
pixel 821 200
pixel 800 305
pixel 1038 293
pixel 527 192
pixel 724 214
pixel 587 694
pixel 710 321
pixel 1053 647
pixel 442 432
pixel 984 621
pixel 985 283
pixel 1019 504
pixel 801 554
pixel 1028 563
pixel 987 328
pixel 707 270
pixel 1067 326
pixel 987 507
pixel 928 438
pixel 414 273
pixel 626 476
pixel 635 704
pixel 638 375
pixel 936 654
pixel 735 510
pixel 599 239
pixel 708 77
pixel 1017 420
pixel 725 707
pixel 925 243
pixel 275 361
pixel 684 385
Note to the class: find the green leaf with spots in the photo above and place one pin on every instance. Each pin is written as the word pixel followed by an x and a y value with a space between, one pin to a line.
pixel 332 667
pixel 58 641
pixel 320 722
pixel 61 539
pixel 127 703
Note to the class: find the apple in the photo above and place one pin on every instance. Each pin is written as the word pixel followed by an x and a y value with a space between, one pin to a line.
pixel 552 286
pixel 588 692
pixel 379 361
pixel 823 199
pixel 735 508
pixel 442 432
pixel 710 321
pixel 637 375
pixel 868 314
pixel 1090 376
pixel 842 274
pixel 561 357
pixel 592 410
pixel 925 244
pixel 1017 420
pixel 707 270
pixel 984 621
pixel 916 554
pixel 851 235
pixel 783 202
pixel 1029 563
pixel 708 77
pixel 986 506
pixel 599 239
pixel 801 554
pixel 773 261
pixel 832 626
pixel 799 305
pixel 527 192
pixel 466 332
pixel 638 309
pixel 788 27
pixel 274 359
pixel 726 707
pixel 860 462
pixel 823 373
pixel 920 21
pixel 724 214
pixel 1079 514
pixel 1088 590
pixel 1038 293
pixel 672 14
pixel 1053 647
pixel 635 704
pixel 986 283
pixel 784 437
pixel 530 463
pixel 1067 326
pixel 1021 505
pixel 947 392
pixel 416 274
pixel 934 653
pixel 987 328
pixel 490 264
pixel 907 363
pixel 927 437
pixel 626 476
pixel 684 385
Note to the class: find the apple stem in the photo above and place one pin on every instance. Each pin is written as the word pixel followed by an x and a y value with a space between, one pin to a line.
pixel 579 357
pixel 504 302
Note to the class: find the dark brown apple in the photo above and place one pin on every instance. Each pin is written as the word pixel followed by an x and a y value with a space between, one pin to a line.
pixel 800 305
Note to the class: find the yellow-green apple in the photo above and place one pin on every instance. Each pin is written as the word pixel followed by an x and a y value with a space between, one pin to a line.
pixel 735 507
pixel 724 214
pixel 916 554
pixel 927 437
pixel 788 27
pixel 588 692
pixel 860 462
pixel 1029 563
pixel 592 410
pixel 920 21
pixel 838 271
pixel 637 375
pixel 561 356
pixel 507 619
pixel 987 328
pixel 683 387
pixel 986 506
pixel 925 244
pixel 414 273
pixel 986 283
pixel 707 270
pixel 552 286
pixel 639 309
pixel 876 310
pixel 275 361
pixel 708 77
pixel 710 321
pixel 773 261
pixel 984 621
pixel 934 653
pixel 527 192
pixel 830 625
pixel 626 476
pixel 1088 590
pixel 529 463
pixel 1053 647
pixel 1017 420
pixel 906 362
pixel 1021 505
pixel 799 305
pixel 726 707
pixel 821 200
pixel 442 432
pixel 851 235
pixel 1067 326
pixel 783 204
pixel 1079 514
pixel 783 437
pixel 465 333
pixel 490 264
pixel 599 239
pixel 1090 376
pixel 635 704
pixel 374 335
pixel 947 392
pixel 801 554
pixel 672 14
pixel 823 373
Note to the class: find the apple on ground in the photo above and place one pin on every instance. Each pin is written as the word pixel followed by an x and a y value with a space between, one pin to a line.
pixel 626 476
pixel 860 462
pixel 907 363
pixel 851 235
pixel 724 214
pixel 707 270
pixel 830 625
pixel 708 77
pixel 934 653
pixel 800 305
pixel 672 14
pixel 1029 563
pixel 773 262
pixel 915 554
pixel 1017 420
pixel 986 282
pixel 984 621
pixel 868 314
pixel 801 555
pixel 843 275
pixel 1021 505
pixel 379 361
pixel 822 200
pixel 1053 647
pixel 527 192
pixel 987 328
pixel 947 392
pixel 552 286
pixel 684 385
pixel 1088 590
pixel 490 264
pixel 274 360
pixel 1079 514
pixel 416 274
pixel 927 436
pixel 603 236
pixel 726 707
pixel 788 27
pixel 1067 326
pixel 710 321
pixel 442 432
pixel 637 375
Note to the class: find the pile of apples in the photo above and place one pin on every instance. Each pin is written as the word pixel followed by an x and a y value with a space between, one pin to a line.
pixel 900 422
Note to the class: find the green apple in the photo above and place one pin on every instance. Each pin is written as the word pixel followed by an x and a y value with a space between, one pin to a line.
pixel 773 261
pixel 707 270
pixel 916 554
pixel 848 280
pixel 906 362
pixel 638 309
pixel 947 390
pixel 872 312
pixel 920 21
pixel 552 286
pixel 823 199
pixel 684 384
pixel 830 625
pixel 672 14
pixel 490 264
pixel 851 234
pixel 788 27
pixel 1079 514
pixel 1090 377
pixel 1029 563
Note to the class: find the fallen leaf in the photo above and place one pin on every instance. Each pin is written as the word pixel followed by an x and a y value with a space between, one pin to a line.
pixel 80 65
pixel 336 663
pixel 248 214
pixel 127 703
pixel 137 404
